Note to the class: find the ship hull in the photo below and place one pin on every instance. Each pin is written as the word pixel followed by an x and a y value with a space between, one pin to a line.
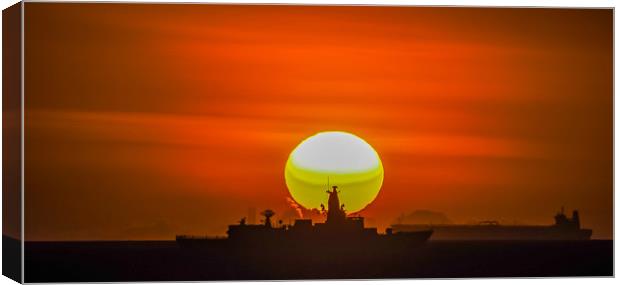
pixel 482 232
pixel 312 242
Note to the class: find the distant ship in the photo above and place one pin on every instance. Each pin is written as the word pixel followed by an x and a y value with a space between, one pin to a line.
pixel 338 232
pixel 564 229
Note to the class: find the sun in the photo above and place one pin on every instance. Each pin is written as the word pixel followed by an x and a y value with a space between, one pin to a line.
pixel 346 160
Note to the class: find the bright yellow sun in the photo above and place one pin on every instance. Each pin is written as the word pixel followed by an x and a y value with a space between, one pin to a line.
pixel 346 160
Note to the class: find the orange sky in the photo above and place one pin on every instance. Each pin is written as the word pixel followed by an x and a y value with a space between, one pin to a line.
pixel 144 121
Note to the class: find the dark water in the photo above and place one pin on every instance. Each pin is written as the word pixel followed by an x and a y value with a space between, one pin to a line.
pixel 165 261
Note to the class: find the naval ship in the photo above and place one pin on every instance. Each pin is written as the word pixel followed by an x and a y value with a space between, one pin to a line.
pixel 564 228
pixel 337 232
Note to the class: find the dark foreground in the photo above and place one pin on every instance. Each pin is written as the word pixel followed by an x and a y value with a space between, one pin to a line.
pixel 165 261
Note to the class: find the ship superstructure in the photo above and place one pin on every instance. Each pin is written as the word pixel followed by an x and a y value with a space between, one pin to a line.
pixel 338 231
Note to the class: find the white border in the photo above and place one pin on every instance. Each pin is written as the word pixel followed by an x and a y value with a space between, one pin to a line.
pixel 509 3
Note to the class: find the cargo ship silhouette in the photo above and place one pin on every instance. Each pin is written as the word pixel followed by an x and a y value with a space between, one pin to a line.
pixel 338 232
pixel 564 229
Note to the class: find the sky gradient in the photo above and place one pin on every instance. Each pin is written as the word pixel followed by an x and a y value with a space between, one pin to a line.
pixel 146 121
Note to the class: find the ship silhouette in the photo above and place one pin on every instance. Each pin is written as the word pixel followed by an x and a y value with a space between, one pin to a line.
pixel 564 228
pixel 338 232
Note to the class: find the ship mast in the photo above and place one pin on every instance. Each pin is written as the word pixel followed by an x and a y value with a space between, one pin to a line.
pixel 335 211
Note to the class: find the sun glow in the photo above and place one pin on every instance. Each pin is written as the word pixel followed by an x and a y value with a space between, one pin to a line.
pixel 345 159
